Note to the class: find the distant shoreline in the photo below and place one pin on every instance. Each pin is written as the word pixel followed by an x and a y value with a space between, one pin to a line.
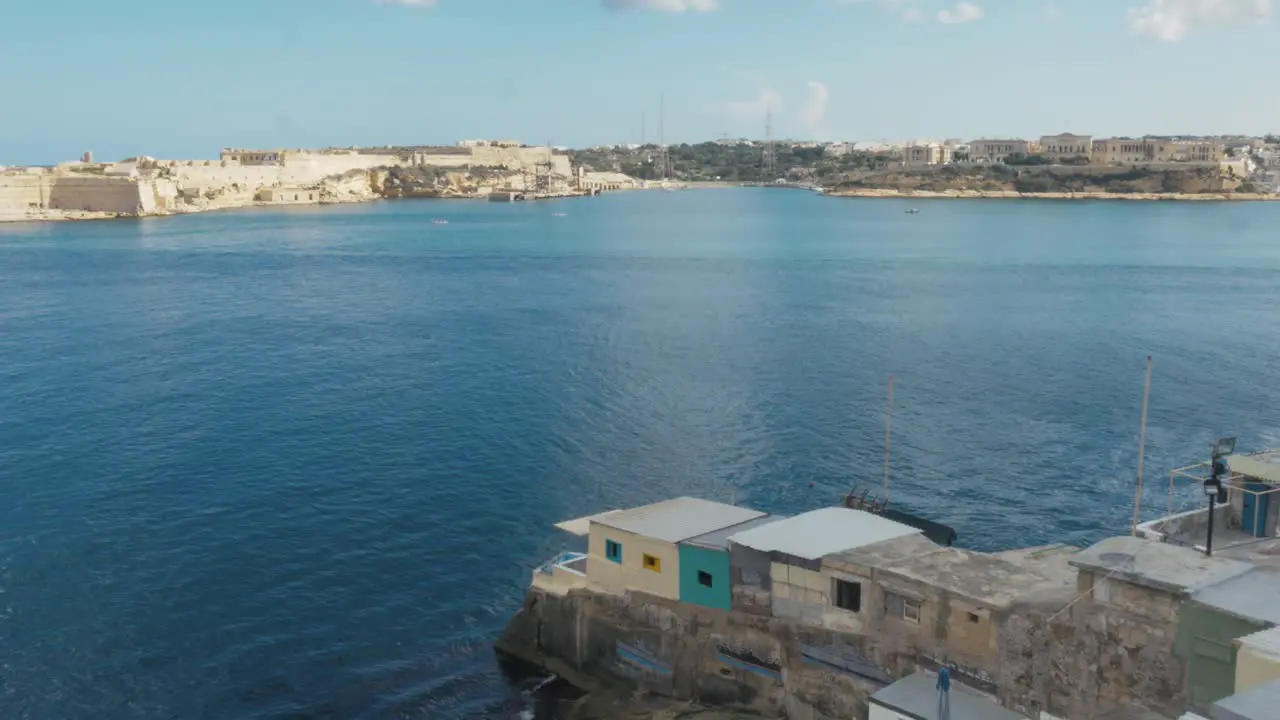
pixel 1014 195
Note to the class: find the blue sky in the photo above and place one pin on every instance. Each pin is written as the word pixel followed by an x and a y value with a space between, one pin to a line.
pixel 173 79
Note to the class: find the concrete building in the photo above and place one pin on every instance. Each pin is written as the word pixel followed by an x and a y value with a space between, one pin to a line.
pixel 1198 151
pixel 782 561
pixel 926 155
pixel 1133 593
pixel 1211 623
pixel 289 194
pixel 638 549
pixel 251 157
pixel 705 575
pixel 917 697
pixel 995 151
pixel 1066 145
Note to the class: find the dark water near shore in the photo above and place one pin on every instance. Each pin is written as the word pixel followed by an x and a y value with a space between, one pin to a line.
pixel 300 463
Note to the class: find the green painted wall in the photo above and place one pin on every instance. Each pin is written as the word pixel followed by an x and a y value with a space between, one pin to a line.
pixel 716 562
pixel 1204 641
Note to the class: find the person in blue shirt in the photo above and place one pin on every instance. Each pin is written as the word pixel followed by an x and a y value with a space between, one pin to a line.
pixel 944 693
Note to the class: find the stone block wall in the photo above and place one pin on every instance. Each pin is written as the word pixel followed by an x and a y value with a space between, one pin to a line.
pixel 101 194
pixel 23 191
pixel 1093 658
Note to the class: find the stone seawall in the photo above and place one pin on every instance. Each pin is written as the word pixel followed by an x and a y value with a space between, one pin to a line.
pixel 1079 660
pixel 618 644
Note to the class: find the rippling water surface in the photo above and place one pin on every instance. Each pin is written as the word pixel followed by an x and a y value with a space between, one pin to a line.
pixel 300 463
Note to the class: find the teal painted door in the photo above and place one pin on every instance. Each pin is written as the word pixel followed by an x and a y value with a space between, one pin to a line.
pixel 704 577
pixel 1253 513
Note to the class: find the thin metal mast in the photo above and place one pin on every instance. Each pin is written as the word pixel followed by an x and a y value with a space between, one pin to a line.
pixel 768 164
pixel 1142 446
pixel 662 135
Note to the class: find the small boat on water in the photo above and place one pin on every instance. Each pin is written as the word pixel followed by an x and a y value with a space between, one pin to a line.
pixel 559 214
pixel 439 221
pixel 912 211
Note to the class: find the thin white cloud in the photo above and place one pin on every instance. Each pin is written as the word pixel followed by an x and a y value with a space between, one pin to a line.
pixel 669 6
pixel 1172 20
pixel 963 12
pixel 814 110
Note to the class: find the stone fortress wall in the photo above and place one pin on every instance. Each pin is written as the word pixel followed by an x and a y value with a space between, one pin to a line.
pixel 24 192
pixel 247 176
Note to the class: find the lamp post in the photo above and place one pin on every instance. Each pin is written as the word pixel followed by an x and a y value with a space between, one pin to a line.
pixel 1213 486
pixel 1211 489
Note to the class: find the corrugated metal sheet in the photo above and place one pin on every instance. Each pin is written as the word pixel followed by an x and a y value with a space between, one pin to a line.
pixel 814 534
pixel 678 519
pixel 917 695
pixel 719 539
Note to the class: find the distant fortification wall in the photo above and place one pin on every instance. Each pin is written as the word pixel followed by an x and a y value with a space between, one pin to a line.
pixel 23 191
pixel 101 194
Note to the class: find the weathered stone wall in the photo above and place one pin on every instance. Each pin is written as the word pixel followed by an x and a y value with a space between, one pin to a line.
pixel 1095 657
pixel 693 653
pixel 101 194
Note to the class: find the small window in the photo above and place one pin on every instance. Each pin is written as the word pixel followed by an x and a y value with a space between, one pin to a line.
pixel 652 563
pixel 973 617
pixel 900 606
pixel 911 611
pixel 848 595
pixel 704 578
pixel 613 551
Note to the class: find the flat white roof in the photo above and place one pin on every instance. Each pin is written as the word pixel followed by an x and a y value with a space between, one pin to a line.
pixel 677 519
pixel 819 533
pixel 1264 466
pixel 582 526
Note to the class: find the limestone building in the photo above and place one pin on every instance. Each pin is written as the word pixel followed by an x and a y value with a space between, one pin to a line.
pixel 995 151
pixel 1066 145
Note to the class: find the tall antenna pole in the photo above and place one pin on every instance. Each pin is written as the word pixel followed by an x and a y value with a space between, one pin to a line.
pixel 1142 446
pixel 767 166
pixel 888 433
pixel 662 133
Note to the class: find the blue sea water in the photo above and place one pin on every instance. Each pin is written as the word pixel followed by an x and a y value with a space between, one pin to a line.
pixel 299 463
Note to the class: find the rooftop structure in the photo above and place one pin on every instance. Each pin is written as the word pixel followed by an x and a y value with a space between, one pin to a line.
pixel 916 696
pixel 643 549
pixel 1173 569
pixel 1263 466
pixel 1246 526
pixel 1249 596
pixel 677 519
pixel 719 539
pixel 813 535
pixel 988 579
